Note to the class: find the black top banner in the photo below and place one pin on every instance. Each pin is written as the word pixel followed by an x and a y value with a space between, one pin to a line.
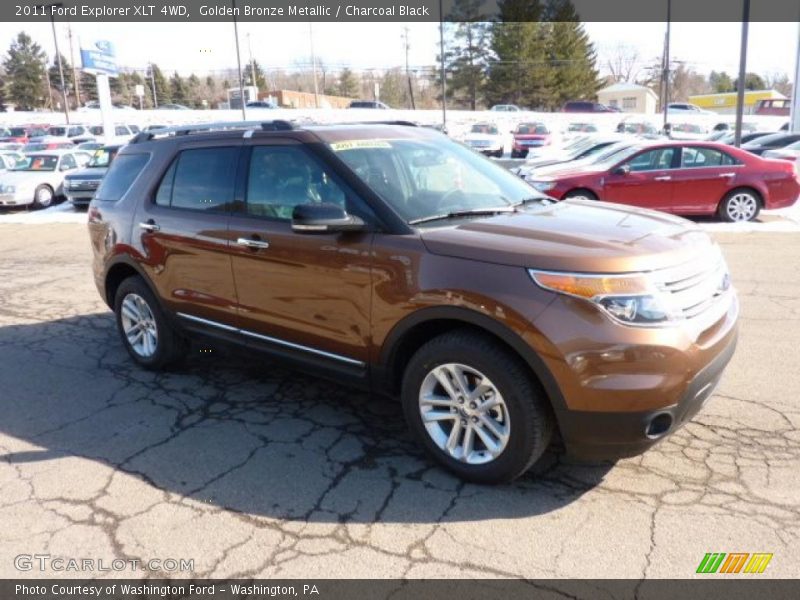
pixel 632 11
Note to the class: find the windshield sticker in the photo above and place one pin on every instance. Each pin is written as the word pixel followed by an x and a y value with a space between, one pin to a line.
pixel 352 144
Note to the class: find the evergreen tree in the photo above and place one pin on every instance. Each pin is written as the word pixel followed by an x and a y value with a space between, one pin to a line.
pixel 88 87
pixel 572 56
pixel 178 90
pixel 2 95
pixel 467 54
pixel 752 81
pixel 163 92
pixel 260 80
pixel 721 82
pixel 55 74
pixel 25 68
pixel 348 84
pixel 519 72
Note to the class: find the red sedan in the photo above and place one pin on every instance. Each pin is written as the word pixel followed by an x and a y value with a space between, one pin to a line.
pixel 685 178
pixel 527 136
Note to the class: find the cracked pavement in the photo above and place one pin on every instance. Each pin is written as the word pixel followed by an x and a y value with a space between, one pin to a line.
pixel 252 470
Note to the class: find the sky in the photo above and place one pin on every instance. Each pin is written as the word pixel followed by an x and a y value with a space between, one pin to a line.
pixel 206 47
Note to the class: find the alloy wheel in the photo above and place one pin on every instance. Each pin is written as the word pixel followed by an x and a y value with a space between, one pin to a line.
pixel 464 413
pixel 741 207
pixel 139 325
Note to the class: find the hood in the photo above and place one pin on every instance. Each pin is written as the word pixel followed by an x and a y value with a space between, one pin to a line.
pixel 88 173
pixel 29 178
pixel 574 235
pixel 568 169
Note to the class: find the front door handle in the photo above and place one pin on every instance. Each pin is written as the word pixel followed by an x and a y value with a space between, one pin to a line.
pixel 149 225
pixel 662 178
pixel 726 175
pixel 255 244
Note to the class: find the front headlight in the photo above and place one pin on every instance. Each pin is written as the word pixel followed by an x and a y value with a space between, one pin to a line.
pixel 630 299
pixel 7 189
pixel 542 186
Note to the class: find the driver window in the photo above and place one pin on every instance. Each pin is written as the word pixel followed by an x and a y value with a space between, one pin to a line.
pixel 280 178
pixel 653 160
pixel 67 163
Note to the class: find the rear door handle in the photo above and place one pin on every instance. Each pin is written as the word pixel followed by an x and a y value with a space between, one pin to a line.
pixel 149 225
pixel 252 243
pixel 727 174
pixel 662 178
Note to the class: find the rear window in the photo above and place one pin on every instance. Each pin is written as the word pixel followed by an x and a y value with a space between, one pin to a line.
pixel 200 179
pixel 123 172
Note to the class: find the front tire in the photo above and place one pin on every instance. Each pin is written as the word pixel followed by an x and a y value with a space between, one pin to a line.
pixel 43 196
pixel 585 194
pixel 475 408
pixel 145 332
pixel 739 206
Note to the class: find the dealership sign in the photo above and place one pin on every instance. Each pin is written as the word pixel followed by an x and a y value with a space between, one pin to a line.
pixel 100 59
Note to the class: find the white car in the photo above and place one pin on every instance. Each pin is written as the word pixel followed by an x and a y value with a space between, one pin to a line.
pixel 38 179
pixel 122 133
pixel 688 131
pixel 486 138
pixel 9 159
pixel 790 152
pixel 505 108
pixel 686 108
pixel 73 132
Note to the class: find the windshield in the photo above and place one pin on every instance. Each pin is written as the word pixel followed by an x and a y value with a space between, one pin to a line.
pixel 96 130
pixel 536 128
pixel 58 131
pixel 421 178
pixel 17 131
pixel 102 158
pixel 37 162
pixel 612 158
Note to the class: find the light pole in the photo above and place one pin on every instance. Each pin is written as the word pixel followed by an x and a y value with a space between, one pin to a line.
pixel 153 84
pixel 742 73
pixel 239 61
pixel 74 67
pixel 49 8
pixel 441 61
pixel 665 74
pixel 313 64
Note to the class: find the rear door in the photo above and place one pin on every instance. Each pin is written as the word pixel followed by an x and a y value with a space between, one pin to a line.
pixel 704 177
pixel 303 294
pixel 649 182
pixel 183 230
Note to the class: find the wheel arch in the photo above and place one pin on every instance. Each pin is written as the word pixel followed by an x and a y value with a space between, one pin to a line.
pixel 117 272
pixel 416 329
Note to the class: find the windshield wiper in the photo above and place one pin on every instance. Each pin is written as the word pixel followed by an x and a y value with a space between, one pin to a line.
pixel 465 213
pixel 546 200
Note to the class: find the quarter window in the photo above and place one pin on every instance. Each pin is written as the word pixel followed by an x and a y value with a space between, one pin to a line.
pixel 124 170
pixel 281 177
pixel 200 179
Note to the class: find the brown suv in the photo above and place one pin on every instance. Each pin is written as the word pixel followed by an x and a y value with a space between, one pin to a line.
pixel 389 256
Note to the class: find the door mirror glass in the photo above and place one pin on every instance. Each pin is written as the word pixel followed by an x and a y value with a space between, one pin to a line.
pixel 324 218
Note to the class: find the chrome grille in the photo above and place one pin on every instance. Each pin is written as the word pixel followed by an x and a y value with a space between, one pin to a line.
pixel 84 185
pixel 695 287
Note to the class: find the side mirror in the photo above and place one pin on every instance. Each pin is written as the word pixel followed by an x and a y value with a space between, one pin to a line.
pixel 324 218
pixel 622 170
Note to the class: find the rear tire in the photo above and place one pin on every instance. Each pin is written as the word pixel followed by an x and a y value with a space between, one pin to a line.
pixel 739 206
pixel 518 411
pixel 581 193
pixel 143 327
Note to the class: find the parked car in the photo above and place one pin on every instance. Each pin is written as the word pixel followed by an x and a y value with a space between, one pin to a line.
pixel 9 159
pixel 505 108
pixel 581 128
pixel 74 133
pixel 80 185
pixel 16 134
pixel 729 137
pixel 690 178
pixel 643 129
pixel 577 149
pixel 527 136
pixel 596 154
pixel 687 131
pixel 731 126
pixel 89 146
pixel 368 104
pixel 770 142
pixel 38 179
pixel 486 139
pixel 790 153
pixel 172 106
pixel 686 108
pixel 122 132
pixel 260 104
pixel 11 147
pixel 395 259
pixel 47 143
pixel 774 106
pixel 584 106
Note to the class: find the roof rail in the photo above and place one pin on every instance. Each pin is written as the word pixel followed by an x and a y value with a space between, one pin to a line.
pixel 390 122
pixel 276 125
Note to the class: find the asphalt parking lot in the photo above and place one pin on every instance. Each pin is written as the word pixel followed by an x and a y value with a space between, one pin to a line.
pixel 251 470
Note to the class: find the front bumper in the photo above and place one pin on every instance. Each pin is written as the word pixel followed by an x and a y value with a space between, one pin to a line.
pixel 602 436
pixel 79 198
pixel 16 199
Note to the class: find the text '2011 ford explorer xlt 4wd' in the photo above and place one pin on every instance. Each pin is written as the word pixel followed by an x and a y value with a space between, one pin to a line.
pixel 390 256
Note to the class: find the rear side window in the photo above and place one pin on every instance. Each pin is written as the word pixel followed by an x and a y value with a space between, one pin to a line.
pixel 123 172
pixel 200 179
pixel 705 157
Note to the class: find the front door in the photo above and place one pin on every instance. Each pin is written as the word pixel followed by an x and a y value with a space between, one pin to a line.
pixel 705 176
pixel 648 184
pixel 303 293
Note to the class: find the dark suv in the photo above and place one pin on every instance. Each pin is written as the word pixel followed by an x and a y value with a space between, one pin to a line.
pixel 390 257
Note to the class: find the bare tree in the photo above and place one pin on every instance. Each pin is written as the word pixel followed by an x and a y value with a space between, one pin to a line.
pixel 623 63
pixel 779 82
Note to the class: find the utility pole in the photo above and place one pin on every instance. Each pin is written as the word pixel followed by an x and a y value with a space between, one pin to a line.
pixel 441 60
pixel 74 68
pixel 313 64
pixel 49 8
pixel 49 86
pixel 153 83
pixel 742 73
pixel 239 61
pixel 252 62
pixel 408 71
pixel 665 75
